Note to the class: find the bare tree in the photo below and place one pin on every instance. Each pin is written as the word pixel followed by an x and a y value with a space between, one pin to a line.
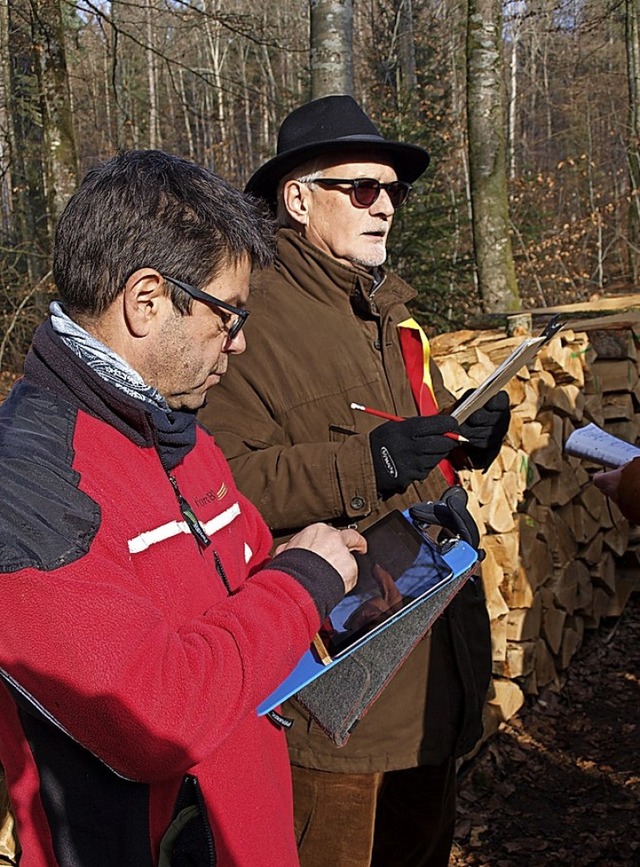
pixel 152 76
pixel 213 79
pixel 43 155
pixel 6 214
pixel 122 75
pixel 487 157
pixel 632 20
pixel 331 47
pixel 513 28
pixel 217 45
pixel 406 47
pixel 60 161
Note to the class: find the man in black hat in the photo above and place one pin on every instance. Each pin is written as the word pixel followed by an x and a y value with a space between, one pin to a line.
pixel 330 329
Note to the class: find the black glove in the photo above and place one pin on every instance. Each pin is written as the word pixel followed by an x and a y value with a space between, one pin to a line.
pixel 485 429
pixel 406 451
pixel 451 513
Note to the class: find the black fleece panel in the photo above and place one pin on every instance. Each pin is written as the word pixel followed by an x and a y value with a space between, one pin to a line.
pixel 96 818
pixel 45 520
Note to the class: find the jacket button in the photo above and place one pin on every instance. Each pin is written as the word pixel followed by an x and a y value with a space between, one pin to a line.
pixel 377 344
pixel 357 503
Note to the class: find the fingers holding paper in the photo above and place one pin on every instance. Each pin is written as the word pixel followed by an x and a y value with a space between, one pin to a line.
pixel 485 429
pixel 622 486
pixel 608 482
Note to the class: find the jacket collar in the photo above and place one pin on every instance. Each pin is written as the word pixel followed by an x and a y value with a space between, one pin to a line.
pixel 51 365
pixel 324 278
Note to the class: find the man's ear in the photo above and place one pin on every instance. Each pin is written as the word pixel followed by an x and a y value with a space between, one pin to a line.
pixel 295 197
pixel 144 300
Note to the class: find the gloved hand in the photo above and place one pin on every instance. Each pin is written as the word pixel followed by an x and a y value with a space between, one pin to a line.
pixel 451 513
pixel 485 429
pixel 406 451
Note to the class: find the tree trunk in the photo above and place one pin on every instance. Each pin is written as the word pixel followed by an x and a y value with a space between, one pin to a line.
pixel 406 48
pixel 119 76
pixel 31 235
pixel 246 109
pixel 105 91
pixel 217 56
pixel 152 79
pixel 184 105
pixel 512 111
pixel 6 139
pixel 331 47
pixel 60 161
pixel 632 9
pixel 487 158
pixel 271 99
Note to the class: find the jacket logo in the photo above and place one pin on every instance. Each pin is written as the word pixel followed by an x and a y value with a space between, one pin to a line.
pixel 388 462
pixel 211 496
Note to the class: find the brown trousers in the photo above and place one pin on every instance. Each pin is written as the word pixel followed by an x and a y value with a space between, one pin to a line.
pixel 395 819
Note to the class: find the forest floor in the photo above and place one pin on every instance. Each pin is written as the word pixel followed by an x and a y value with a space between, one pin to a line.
pixel 560 783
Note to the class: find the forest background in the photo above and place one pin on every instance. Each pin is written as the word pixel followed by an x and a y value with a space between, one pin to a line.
pixel 212 80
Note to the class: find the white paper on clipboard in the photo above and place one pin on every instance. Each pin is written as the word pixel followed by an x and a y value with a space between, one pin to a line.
pixel 521 355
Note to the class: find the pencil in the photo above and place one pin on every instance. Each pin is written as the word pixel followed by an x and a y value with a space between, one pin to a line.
pixel 377 412
pixel 390 417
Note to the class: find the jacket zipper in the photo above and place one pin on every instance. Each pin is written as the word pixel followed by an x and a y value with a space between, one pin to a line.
pixel 183 800
pixel 188 514
pixel 222 573
pixel 378 284
pixel 198 531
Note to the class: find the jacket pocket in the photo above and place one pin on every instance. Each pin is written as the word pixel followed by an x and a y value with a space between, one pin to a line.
pixel 188 841
pixel 340 432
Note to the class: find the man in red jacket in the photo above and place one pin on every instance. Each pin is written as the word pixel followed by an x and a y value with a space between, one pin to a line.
pixel 143 618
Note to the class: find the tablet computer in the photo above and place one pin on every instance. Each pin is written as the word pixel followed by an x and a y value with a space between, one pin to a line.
pixel 399 568
pixel 420 570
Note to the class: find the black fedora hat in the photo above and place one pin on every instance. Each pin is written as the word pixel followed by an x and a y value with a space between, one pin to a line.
pixel 331 124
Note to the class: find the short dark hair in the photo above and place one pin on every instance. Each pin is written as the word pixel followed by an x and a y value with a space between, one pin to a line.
pixel 150 209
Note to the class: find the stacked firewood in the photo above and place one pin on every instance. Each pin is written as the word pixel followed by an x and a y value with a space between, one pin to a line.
pixel 559 555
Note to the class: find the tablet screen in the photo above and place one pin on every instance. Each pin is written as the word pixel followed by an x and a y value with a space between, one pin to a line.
pixel 400 567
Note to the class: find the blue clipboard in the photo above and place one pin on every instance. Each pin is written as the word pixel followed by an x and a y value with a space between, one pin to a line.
pixel 456 561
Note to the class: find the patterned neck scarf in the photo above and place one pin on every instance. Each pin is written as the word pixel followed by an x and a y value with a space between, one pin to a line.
pixel 176 430
pixel 106 363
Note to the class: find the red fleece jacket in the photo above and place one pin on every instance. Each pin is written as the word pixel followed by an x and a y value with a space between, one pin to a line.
pixel 142 655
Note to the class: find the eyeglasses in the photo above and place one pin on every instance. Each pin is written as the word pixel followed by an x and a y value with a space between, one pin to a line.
pixel 231 324
pixel 365 191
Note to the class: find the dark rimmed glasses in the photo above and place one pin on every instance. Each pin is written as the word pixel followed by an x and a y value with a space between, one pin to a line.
pixel 231 324
pixel 365 191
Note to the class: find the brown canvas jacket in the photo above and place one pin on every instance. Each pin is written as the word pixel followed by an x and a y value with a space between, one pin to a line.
pixel 319 337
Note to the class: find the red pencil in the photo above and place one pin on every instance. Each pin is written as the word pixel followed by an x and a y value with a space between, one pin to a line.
pixel 377 412
pixel 380 414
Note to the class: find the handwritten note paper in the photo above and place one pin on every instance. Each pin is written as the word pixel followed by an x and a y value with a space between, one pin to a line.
pixel 594 444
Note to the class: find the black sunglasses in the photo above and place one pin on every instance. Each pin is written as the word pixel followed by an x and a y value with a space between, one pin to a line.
pixel 231 325
pixel 365 191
